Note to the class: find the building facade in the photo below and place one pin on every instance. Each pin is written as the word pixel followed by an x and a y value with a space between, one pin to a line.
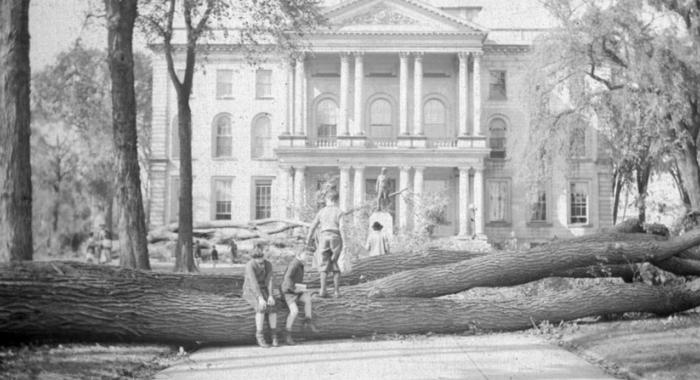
pixel 417 87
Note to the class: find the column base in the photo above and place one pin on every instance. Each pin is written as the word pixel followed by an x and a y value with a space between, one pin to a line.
pixel 412 141
pixel 292 141
pixel 471 142
pixel 350 141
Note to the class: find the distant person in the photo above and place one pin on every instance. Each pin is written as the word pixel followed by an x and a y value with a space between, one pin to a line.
pixel 382 189
pixel 90 249
pixel 329 221
pixel 214 256
pixel 377 243
pixel 257 290
pixel 234 251
pixel 105 245
pixel 197 253
pixel 293 290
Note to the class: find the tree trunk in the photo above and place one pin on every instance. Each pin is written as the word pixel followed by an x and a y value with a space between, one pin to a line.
pixel 690 172
pixel 120 23
pixel 513 268
pixel 643 173
pixel 38 301
pixel 184 260
pixel 15 169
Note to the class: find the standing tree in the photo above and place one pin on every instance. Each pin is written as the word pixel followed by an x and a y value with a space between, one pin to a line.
pixel 257 23
pixel 15 167
pixel 121 16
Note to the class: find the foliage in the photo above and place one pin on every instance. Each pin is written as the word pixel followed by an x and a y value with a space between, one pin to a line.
pixel 73 165
pixel 631 68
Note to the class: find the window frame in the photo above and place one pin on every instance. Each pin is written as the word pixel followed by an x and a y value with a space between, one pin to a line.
pixel 570 203
pixel 219 83
pixel 580 130
pixel 541 196
pixel 260 86
pixel 508 212
pixel 216 137
pixel 442 126
pixel 317 119
pixel 499 154
pixel 255 181
pixel 266 155
pixel 214 204
pixel 498 95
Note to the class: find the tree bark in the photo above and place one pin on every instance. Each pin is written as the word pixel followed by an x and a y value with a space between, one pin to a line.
pixel 15 168
pixel 513 268
pixel 121 16
pixel 38 301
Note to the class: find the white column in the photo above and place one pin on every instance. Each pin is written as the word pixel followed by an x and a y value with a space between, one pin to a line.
pixel 479 201
pixel 462 96
pixel 403 201
pixel 282 190
pixel 358 187
pixel 344 187
pixel 299 190
pixel 290 98
pixel 463 201
pixel 298 97
pixel 477 92
pixel 418 194
pixel 418 94
pixel 344 81
pixel 359 102
pixel 403 93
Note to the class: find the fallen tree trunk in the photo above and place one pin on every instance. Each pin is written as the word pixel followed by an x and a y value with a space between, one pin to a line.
pixel 38 302
pixel 514 268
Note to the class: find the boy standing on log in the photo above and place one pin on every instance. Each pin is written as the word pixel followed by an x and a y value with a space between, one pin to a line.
pixel 257 290
pixel 293 289
pixel 329 221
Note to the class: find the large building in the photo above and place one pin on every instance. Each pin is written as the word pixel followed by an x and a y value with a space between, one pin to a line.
pixel 419 87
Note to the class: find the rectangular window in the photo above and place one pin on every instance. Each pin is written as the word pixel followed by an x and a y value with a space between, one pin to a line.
pixel 539 206
pixel 577 142
pixel 263 84
pixel 174 199
pixel 224 83
pixel 578 202
pixel 263 199
pixel 223 197
pixel 499 199
pixel 497 85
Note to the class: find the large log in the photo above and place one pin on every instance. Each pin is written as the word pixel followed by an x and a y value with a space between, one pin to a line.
pixel 514 268
pixel 39 302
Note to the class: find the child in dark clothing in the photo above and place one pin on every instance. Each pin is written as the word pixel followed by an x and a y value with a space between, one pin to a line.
pixel 257 290
pixel 293 291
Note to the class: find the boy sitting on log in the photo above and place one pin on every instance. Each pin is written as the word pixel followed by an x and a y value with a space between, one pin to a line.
pixel 257 290
pixel 329 221
pixel 293 289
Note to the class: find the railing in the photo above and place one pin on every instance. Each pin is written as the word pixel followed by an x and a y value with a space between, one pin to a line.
pixel 381 143
pixel 323 142
pixel 442 143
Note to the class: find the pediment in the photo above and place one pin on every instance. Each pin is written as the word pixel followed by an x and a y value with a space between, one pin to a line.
pixel 394 16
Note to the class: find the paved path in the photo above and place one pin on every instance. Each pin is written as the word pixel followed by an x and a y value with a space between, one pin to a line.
pixel 495 356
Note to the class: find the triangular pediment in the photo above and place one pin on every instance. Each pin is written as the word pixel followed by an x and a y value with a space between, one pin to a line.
pixel 408 16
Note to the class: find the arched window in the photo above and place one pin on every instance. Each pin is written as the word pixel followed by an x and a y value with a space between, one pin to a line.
pixel 326 118
pixel 175 139
pixel 434 118
pixel 577 139
pixel 380 124
pixel 262 142
pixel 223 136
pixel 497 138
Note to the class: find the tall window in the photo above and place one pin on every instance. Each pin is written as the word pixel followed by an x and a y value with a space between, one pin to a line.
pixel 499 199
pixel 223 197
pixel 497 85
pixel 223 136
pixel 326 118
pixel 263 198
pixel 174 198
pixel 434 118
pixel 263 84
pixel 539 206
pixel 175 139
pixel 380 118
pixel 578 202
pixel 224 83
pixel 262 141
pixel 497 138
pixel 577 140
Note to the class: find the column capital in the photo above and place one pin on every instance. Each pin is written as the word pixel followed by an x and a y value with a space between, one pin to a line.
pixel 299 168
pixel 479 167
pixel 284 166
pixel 344 167
pixel 404 168
pixel 463 55
pixel 404 54
pixel 477 53
pixel 358 54
pixel 300 57
pixel 418 56
pixel 419 168
pixel 359 167
pixel 345 54
pixel 464 170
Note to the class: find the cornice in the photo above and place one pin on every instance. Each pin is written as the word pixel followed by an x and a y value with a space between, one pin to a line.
pixel 506 49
